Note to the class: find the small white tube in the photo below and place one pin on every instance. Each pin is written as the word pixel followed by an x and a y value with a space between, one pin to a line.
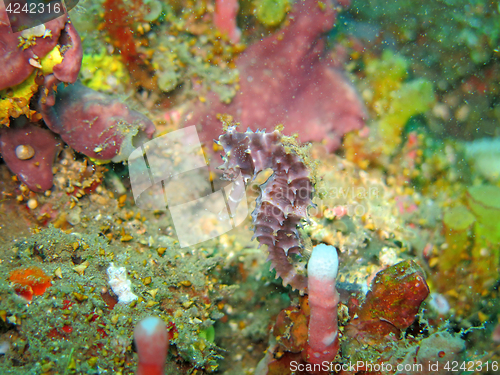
pixel 324 262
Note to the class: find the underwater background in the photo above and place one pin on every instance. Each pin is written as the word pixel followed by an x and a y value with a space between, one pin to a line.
pixel 359 137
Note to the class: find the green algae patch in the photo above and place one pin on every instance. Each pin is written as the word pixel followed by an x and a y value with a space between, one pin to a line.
pixel 102 72
pixel 458 219
pixel 412 98
pixel 457 222
pixel 484 202
pixel 271 13
pixel 387 73
pixel 394 98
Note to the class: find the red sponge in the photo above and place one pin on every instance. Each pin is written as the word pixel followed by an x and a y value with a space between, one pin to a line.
pixel 151 341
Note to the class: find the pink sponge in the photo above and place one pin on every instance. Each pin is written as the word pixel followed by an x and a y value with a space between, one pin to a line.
pixel 93 123
pixel 225 18
pixel 287 78
pixel 323 341
pixel 40 146
pixel 151 341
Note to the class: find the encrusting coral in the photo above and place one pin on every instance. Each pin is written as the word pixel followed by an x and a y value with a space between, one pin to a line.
pixel 29 282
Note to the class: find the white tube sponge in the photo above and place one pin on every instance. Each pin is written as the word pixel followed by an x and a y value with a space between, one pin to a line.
pixel 151 341
pixel 324 262
pixel 323 342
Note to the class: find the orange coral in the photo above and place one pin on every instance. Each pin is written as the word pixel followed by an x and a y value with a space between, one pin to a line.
pixel 30 281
